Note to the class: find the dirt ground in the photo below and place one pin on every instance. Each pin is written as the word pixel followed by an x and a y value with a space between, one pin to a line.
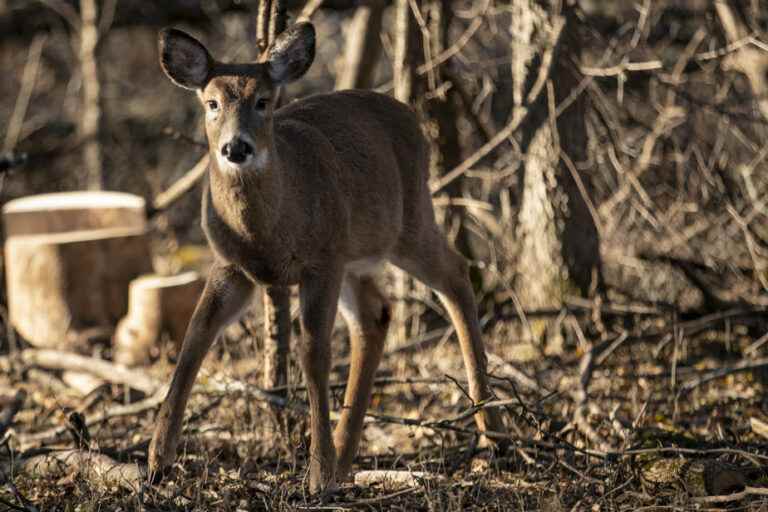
pixel 660 416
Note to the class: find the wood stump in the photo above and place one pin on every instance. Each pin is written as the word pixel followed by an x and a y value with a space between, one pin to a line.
pixel 69 258
pixel 157 305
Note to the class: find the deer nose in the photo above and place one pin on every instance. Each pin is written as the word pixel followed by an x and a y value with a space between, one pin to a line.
pixel 237 151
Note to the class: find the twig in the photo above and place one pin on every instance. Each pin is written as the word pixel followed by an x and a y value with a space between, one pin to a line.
pixel 27 507
pixel 622 68
pixel 53 434
pixel 741 366
pixel 28 81
pixel 308 10
pixel 180 187
pixel 412 345
pixel 520 115
pixel 456 47
pixel 518 375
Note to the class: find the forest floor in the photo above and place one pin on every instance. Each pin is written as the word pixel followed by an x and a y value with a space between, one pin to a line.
pixel 661 413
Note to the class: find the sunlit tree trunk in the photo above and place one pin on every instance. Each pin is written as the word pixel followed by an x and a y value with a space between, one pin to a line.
pixel 363 47
pixel 403 75
pixel 443 111
pixel 91 116
pixel 558 243
pixel 270 21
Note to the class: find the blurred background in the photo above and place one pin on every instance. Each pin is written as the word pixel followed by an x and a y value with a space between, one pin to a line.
pixel 660 116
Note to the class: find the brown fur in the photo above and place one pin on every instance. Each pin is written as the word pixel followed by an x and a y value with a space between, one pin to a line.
pixel 345 186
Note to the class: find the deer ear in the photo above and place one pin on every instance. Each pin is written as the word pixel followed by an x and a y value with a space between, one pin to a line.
pixel 184 59
pixel 292 53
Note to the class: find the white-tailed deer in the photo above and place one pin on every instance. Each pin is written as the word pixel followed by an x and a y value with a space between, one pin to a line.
pixel 315 194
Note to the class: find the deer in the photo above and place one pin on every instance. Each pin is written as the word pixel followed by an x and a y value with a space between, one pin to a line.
pixel 318 194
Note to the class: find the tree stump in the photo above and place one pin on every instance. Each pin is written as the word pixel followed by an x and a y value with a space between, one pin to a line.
pixel 69 259
pixel 156 305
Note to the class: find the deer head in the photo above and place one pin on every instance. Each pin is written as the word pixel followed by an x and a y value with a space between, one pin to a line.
pixel 238 98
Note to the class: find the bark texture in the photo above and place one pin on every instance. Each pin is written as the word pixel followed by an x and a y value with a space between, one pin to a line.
pixel 60 285
pixel 443 110
pixel 91 118
pixel 277 330
pixel 363 47
pixel 403 75
pixel 558 241
pixel 271 21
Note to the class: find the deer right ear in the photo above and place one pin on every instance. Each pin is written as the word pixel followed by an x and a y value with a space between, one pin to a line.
pixel 292 53
pixel 184 59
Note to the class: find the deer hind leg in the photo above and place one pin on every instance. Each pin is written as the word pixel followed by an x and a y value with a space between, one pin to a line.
pixel 226 294
pixel 428 257
pixel 366 312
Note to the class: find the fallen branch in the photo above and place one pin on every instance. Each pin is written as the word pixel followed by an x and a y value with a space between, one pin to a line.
pixel 741 366
pixel 180 187
pixel 390 478
pixel 509 370
pixel 96 467
pixel 748 491
pixel 60 360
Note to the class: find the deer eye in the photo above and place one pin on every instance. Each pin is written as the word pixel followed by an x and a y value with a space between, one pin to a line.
pixel 213 105
pixel 261 103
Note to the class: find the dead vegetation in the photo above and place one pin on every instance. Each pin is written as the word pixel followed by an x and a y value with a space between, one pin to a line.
pixel 667 414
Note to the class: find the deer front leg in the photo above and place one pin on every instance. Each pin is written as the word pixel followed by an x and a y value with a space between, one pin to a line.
pixel 319 295
pixel 226 294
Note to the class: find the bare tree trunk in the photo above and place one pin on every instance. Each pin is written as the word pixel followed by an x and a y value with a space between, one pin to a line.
pixel 277 19
pixel 441 107
pixel 558 252
pixel 443 110
pixel 277 330
pixel 91 119
pixel 403 71
pixel 363 47
pixel 271 21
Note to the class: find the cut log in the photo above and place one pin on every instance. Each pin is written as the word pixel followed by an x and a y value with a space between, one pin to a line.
pixel 73 211
pixel 69 259
pixel 156 305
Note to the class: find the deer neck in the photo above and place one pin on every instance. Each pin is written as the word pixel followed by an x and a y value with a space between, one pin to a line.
pixel 249 202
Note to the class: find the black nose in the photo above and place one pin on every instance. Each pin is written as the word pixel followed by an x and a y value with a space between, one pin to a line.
pixel 236 151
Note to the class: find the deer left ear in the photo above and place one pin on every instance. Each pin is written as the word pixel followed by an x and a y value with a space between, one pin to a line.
pixel 292 53
pixel 184 59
